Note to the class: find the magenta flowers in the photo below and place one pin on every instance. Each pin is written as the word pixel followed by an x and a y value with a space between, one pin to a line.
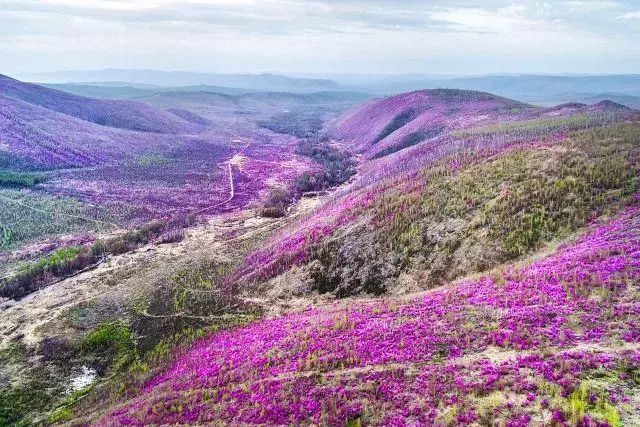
pixel 518 345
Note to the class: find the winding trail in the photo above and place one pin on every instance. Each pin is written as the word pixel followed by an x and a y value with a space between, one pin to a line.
pixel 232 189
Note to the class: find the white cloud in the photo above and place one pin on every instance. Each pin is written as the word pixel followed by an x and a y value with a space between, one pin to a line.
pixel 592 5
pixel 513 18
pixel 631 15
pixel 320 35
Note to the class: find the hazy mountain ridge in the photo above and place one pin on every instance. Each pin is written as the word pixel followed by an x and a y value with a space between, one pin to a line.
pixel 508 85
pixel 544 90
pixel 127 90
pixel 262 82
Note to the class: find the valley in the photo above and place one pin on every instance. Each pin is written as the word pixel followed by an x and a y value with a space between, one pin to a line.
pixel 434 257
pixel 320 213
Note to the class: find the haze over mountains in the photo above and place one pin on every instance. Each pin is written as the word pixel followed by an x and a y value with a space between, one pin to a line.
pixel 262 82
pixel 545 90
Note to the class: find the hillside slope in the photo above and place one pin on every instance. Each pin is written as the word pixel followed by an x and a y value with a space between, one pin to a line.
pixel 396 122
pixel 35 137
pixel 464 201
pixel 118 114
pixel 557 341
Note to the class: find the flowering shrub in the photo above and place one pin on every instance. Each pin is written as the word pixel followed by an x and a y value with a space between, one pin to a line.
pixel 522 346
pixel 434 202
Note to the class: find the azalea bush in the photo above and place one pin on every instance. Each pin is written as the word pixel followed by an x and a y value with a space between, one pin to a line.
pixel 551 342
pixel 452 208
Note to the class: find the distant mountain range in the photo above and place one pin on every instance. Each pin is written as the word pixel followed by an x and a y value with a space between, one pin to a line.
pixel 126 90
pixel 260 82
pixel 545 90
pixel 538 89
pixel 521 83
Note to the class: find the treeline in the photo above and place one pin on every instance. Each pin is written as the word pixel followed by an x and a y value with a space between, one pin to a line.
pixel 398 121
pixel 67 261
pixel 19 179
pixel 337 165
pixel 411 140
pixel 298 124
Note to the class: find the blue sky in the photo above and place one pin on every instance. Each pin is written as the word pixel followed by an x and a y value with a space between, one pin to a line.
pixel 322 36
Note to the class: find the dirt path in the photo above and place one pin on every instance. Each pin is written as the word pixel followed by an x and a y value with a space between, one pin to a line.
pixel 120 279
pixel 229 163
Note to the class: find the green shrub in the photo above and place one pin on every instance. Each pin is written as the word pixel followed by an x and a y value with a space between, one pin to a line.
pixel 19 179
pixel 20 404
pixel 60 263
pixel 111 342
pixel 587 400
pixel 276 204
pixel 59 258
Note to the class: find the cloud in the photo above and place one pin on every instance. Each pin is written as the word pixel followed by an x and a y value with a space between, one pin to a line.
pixel 317 35
pixel 271 16
pixel 630 16
pixel 290 16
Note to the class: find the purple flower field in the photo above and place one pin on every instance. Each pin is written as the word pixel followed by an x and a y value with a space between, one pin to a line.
pixel 554 341
pixel 136 162
pixel 323 213
pixel 406 173
pixel 192 177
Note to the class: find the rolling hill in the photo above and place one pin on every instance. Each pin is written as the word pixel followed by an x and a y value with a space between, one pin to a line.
pixel 481 267
pixel 514 232
pixel 384 126
pixel 430 205
pixel 118 114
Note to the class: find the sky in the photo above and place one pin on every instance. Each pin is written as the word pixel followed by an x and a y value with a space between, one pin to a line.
pixel 322 36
